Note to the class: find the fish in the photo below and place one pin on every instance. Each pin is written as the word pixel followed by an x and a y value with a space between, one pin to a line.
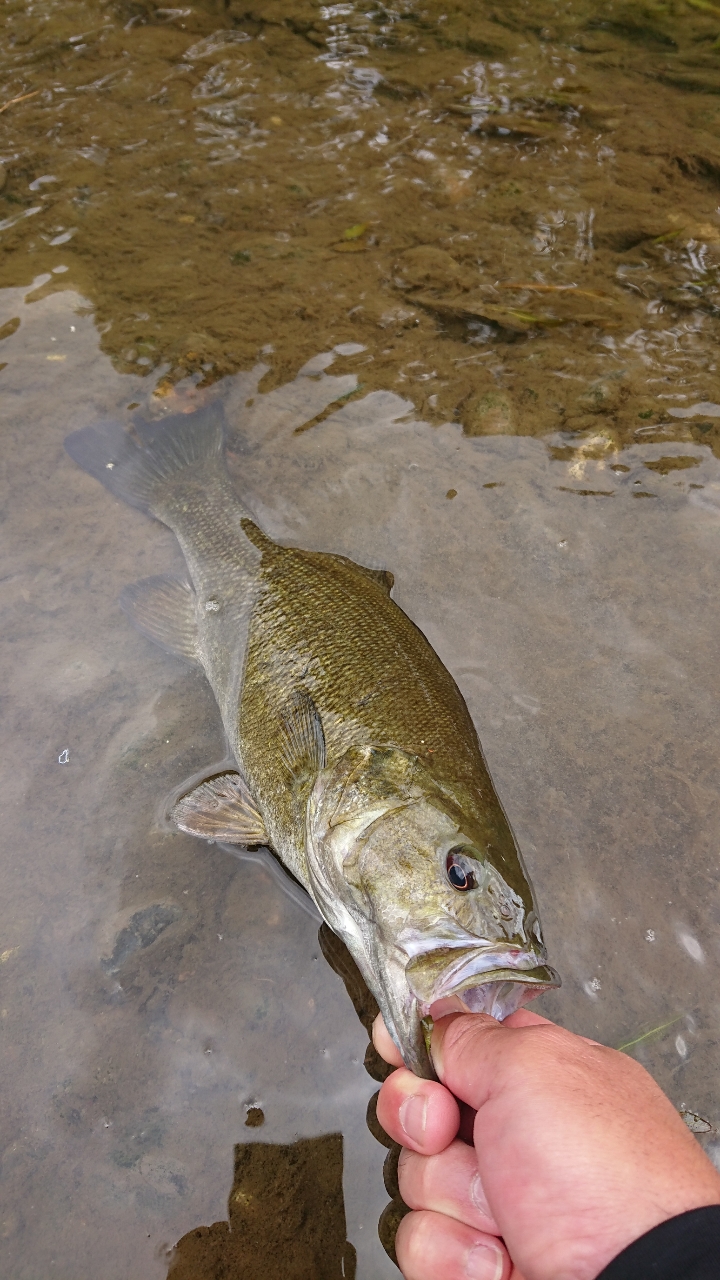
pixel 357 761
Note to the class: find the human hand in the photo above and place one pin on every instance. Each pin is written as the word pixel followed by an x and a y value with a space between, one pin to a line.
pixel 577 1152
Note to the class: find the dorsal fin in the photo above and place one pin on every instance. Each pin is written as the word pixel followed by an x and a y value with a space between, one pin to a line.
pixel 256 536
pixel 383 577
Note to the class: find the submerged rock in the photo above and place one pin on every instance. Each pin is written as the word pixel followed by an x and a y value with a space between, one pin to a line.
pixel 427 265
pixel 141 930
pixel 601 396
pixel 489 413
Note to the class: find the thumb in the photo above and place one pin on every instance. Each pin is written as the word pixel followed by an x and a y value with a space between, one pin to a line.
pixel 465 1051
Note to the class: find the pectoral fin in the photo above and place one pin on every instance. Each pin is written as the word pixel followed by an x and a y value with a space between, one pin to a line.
pixel 221 808
pixel 164 610
pixel 303 740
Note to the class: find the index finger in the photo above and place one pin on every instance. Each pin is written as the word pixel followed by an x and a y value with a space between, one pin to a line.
pixel 419 1114
pixel 385 1044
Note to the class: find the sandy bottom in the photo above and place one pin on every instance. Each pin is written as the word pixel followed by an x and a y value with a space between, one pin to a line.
pixel 166 1005
pixel 456 283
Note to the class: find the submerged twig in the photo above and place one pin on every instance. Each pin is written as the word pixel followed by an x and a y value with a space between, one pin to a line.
pixel 654 1032
pixel 668 235
pixel 21 98
pixel 558 288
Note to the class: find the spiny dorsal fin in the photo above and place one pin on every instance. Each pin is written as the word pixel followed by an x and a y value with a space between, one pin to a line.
pixel 164 610
pixel 256 535
pixel 221 808
pixel 383 577
pixel 303 740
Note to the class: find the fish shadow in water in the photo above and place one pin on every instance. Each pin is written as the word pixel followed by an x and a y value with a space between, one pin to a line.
pixel 286 1211
pixel 286 1218
pixel 366 1008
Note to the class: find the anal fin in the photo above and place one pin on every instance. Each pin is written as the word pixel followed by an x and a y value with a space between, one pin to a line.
pixel 163 609
pixel 221 808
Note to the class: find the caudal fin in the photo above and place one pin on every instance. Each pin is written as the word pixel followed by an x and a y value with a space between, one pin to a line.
pixel 140 461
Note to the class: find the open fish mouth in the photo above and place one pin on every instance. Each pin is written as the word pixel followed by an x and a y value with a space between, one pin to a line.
pixel 487 981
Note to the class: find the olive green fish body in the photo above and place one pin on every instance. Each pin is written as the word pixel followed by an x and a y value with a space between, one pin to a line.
pixel 358 762
pixel 322 624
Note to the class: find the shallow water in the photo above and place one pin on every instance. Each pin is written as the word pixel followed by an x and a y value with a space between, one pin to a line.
pixel 320 224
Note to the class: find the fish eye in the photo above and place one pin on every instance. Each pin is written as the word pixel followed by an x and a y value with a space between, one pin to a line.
pixel 460 870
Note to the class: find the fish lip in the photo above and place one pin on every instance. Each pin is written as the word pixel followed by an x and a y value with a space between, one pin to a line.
pixel 449 971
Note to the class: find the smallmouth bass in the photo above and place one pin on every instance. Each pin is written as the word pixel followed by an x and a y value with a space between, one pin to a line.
pixel 357 761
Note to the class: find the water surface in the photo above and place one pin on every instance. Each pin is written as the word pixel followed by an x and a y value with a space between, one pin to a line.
pixel 453 274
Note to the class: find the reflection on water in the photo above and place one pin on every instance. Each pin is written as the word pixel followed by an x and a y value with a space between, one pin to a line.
pixel 398 244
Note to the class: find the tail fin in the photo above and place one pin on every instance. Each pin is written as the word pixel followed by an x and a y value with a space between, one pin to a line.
pixel 136 463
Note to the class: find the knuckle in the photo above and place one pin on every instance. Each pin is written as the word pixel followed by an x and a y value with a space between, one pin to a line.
pixel 463 1033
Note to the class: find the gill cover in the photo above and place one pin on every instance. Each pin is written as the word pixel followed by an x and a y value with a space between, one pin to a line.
pixel 415 898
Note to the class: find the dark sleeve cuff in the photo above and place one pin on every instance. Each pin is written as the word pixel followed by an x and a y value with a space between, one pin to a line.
pixel 683 1248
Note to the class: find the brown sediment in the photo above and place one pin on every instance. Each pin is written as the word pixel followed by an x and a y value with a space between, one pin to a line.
pixel 221 195
pixel 678 462
pixel 584 637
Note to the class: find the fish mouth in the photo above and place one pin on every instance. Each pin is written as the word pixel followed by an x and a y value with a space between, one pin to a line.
pixel 487 981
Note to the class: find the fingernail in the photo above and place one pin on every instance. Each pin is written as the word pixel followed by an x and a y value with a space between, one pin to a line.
pixel 478 1197
pixel 484 1262
pixel 413 1113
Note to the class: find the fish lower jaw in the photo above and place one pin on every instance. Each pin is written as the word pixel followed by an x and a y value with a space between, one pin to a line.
pixel 499 997
pixel 498 991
